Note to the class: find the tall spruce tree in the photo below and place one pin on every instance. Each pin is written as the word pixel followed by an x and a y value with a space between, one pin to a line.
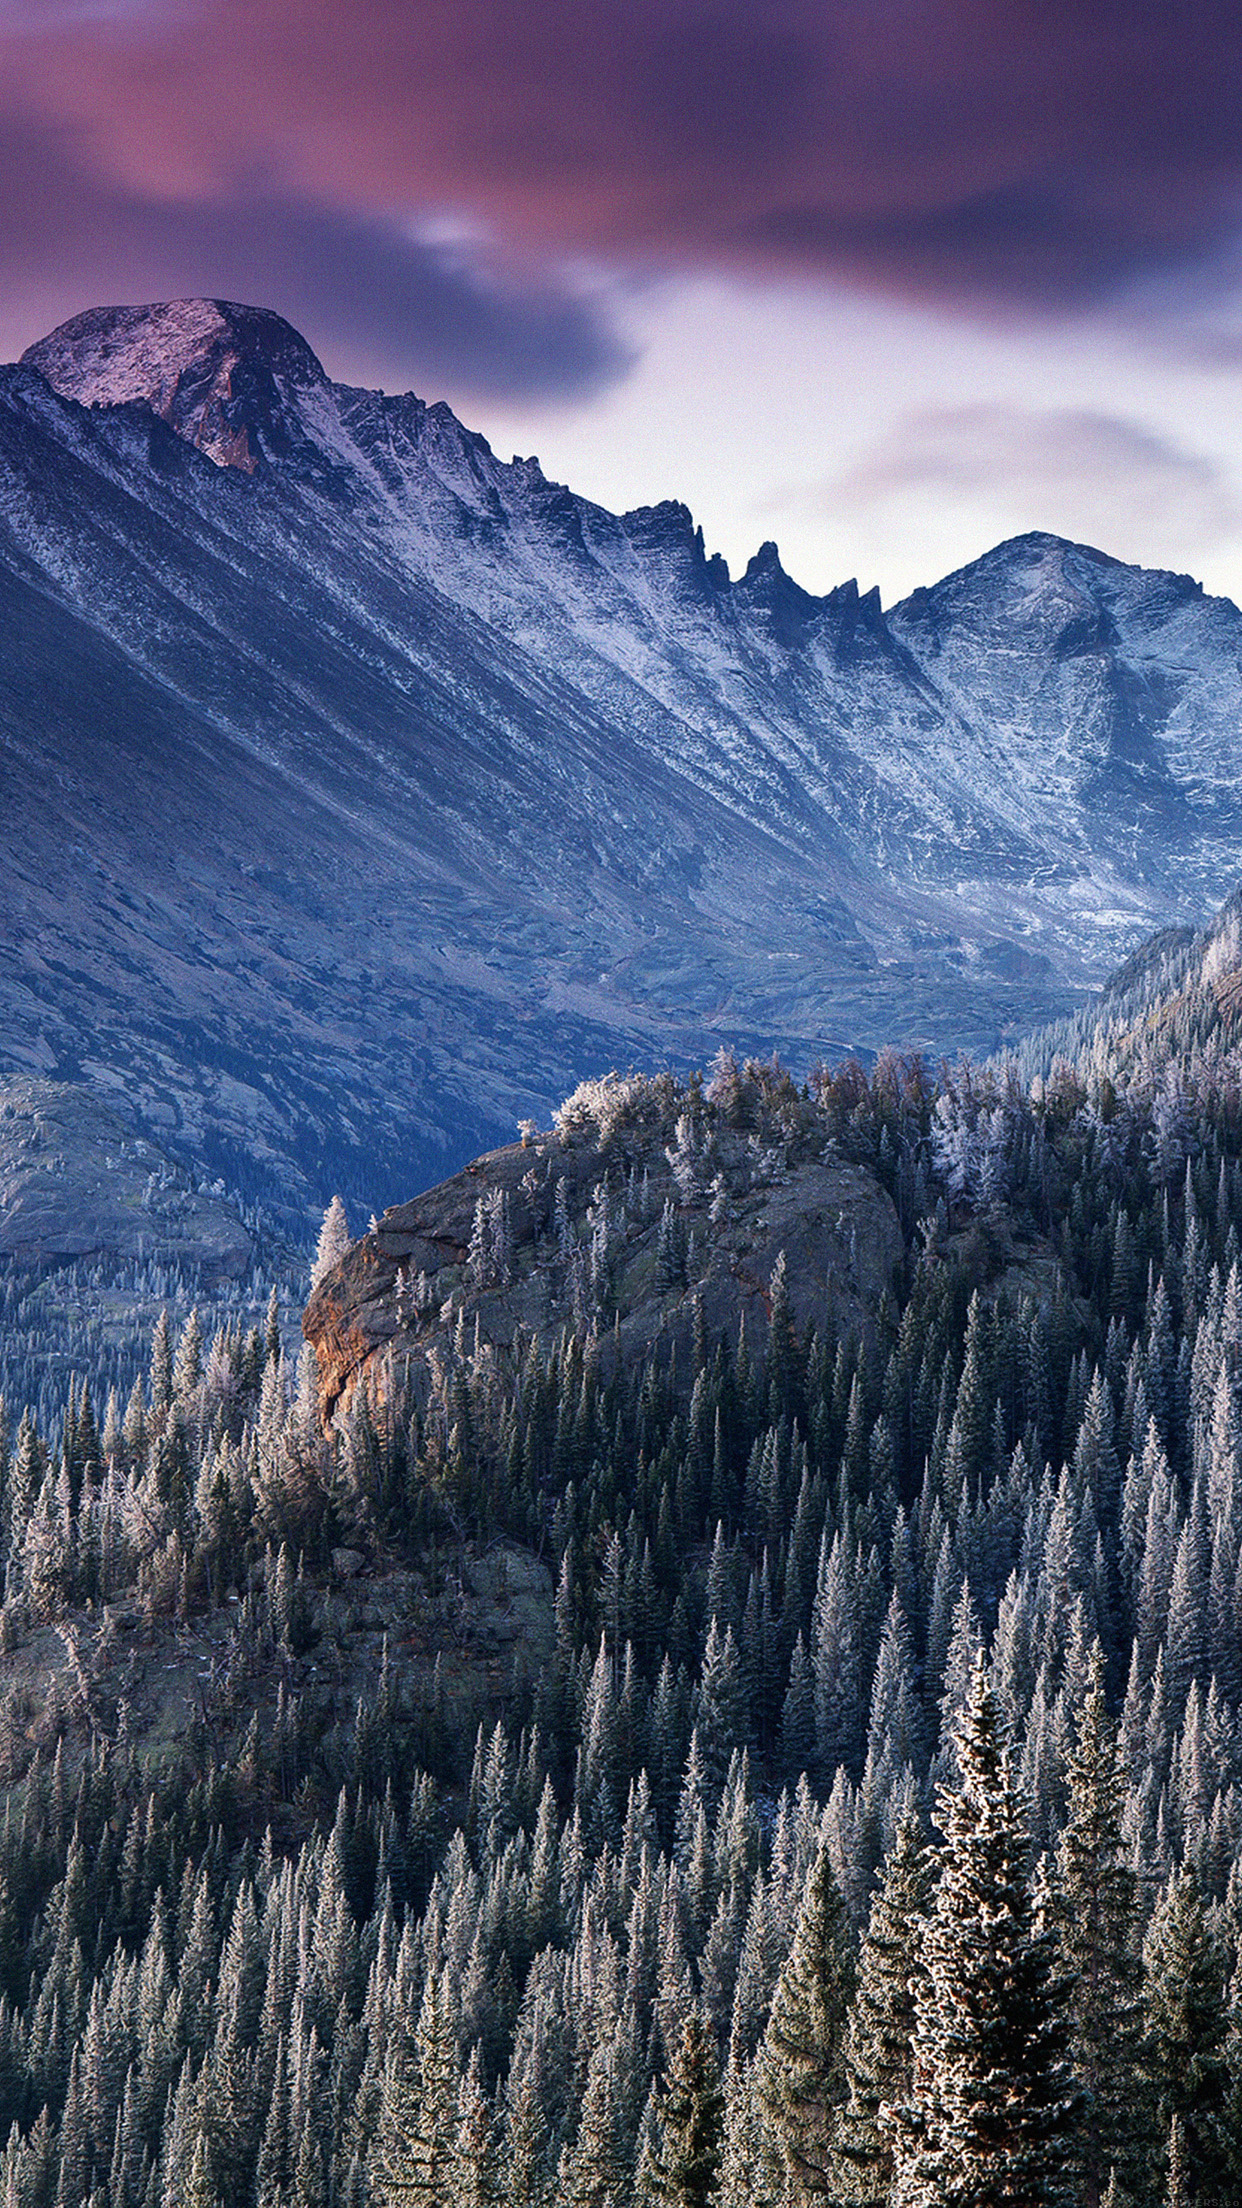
pixel 1187 2027
pixel 477 2179
pixel 415 2156
pixel 798 2082
pixel 681 2168
pixel 1095 1911
pixel 994 2107
pixel 879 2046
pixel 334 1240
pixel 595 2171
pixel 199 2191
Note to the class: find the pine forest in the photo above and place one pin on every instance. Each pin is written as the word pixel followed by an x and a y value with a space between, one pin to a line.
pixel 856 1817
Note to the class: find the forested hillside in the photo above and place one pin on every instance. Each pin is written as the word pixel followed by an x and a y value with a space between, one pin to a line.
pixel 855 1813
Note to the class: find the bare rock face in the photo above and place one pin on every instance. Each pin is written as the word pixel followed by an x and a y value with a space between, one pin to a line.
pixel 604 1231
pixel 219 374
pixel 75 1182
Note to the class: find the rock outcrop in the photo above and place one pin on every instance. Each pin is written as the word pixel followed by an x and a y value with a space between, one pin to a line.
pixel 598 1228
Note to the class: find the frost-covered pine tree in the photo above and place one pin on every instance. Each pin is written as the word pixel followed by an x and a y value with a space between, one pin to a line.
pixel 682 2165
pixel 880 2037
pixel 161 1381
pixel 187 1368
pixel 477 2177
pixel 994 2107
pixel 683 1158
pixel 334 1240
pixel 1184 1965
pixel 798 2080
pixel 595 2170
pixel 1095 1911
pixel 199 2190
pixel 414 2157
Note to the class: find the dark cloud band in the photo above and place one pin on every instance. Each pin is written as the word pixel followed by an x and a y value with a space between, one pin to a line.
pixel 1038 152
pixel 387 305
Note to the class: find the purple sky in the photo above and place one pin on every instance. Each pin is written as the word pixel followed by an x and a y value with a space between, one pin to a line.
pixel 885 280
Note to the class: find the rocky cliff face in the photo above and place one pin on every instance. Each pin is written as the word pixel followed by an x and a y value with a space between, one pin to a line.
pixel 223 377
pixel 632 1221
pixel 363 790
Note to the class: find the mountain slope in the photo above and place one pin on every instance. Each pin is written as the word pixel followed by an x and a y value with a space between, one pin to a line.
pixel 363 790
pixel 1171 1017
pixel 76 1184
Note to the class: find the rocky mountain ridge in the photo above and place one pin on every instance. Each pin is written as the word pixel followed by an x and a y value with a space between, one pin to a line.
pixel 366 790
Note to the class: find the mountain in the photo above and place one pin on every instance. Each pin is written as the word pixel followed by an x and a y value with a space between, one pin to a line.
pixel 1170 1016
pixel 363 791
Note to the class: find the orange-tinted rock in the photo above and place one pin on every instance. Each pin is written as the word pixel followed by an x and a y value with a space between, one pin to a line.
pixel 407 1285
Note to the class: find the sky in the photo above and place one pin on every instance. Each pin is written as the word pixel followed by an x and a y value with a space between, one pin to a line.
pixel 883 280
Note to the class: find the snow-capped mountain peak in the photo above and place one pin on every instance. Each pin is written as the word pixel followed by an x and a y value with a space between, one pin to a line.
pixel 220 374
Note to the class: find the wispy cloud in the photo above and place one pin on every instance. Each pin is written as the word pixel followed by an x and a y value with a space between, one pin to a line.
pixel 1091 476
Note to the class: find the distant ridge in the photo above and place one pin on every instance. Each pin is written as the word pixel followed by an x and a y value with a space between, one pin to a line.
pixel 364 790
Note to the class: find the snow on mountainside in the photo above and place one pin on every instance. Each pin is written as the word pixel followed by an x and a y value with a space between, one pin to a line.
pixel 364 789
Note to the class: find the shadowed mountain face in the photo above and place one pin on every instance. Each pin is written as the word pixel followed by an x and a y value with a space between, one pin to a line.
pixel 362 790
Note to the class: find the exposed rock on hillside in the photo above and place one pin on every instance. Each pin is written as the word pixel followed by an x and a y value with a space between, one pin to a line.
pixel 219 374
pixel 452 1647
pixel 76 1182
pixel 643 1206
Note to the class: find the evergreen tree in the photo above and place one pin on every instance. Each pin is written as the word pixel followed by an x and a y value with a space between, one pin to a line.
pixel 477 2179
pixel 161 1375
pixel 1095 1910
pixel 799 2080
pixel 994 2108
pixel 1187 2030
pixel 720 1707
pixel 595 2171
pixel 526 2159
pixel 1177 2187
pixel 188 1363
pixel 797 1734
pixel 415 2158
pixel 880 2036
pixel 334 1241
pixel 199 2191
pixel 682 2166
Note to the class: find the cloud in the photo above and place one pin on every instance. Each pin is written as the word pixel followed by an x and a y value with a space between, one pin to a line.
pixel 1035 243
pixel 1009 152
pixel 382 302
pixel 1098 478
